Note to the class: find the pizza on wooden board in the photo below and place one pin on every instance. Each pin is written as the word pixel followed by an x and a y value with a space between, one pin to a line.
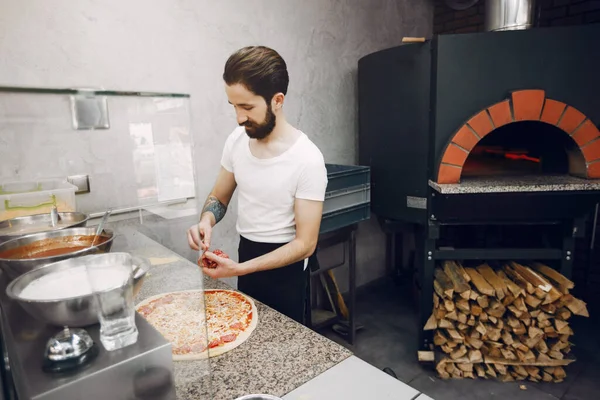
pixel 230 319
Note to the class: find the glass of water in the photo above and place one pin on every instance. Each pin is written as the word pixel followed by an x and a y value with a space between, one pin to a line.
pixel 111 279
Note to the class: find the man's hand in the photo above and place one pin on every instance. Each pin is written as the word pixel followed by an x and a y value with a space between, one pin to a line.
pixel 225 268
pixel 199 235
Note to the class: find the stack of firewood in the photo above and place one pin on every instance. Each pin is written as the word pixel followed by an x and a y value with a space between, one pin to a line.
pixel 509 323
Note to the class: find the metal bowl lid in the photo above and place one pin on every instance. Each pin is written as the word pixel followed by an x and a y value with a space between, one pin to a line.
pixel 68 344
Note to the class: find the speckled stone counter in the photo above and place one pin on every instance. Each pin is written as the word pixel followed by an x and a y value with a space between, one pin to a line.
pixel 508 184
pixel 279 356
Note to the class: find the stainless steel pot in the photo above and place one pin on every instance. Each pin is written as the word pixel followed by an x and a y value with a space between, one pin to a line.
pixel 76 311
pixel 39 223
pixel 14 267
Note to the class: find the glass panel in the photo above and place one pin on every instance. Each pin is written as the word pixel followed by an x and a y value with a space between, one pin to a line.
pixel 99 92
pixel 143 157
pixel 137 150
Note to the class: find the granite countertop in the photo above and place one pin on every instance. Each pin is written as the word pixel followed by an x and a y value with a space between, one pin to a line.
pixel 508 184
pixel 279 356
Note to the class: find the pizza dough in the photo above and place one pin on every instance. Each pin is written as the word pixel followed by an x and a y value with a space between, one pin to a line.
pixel 229 320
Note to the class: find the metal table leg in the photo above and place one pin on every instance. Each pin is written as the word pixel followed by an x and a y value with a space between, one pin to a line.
pixel 352 279
pixel 426 303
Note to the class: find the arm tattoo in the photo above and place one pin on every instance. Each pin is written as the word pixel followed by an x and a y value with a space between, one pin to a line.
pixel 214 206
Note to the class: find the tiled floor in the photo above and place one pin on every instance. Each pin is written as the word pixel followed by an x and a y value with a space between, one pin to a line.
pixel 389 339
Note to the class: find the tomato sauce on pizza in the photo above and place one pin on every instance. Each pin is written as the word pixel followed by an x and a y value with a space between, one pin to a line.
pixel 201 326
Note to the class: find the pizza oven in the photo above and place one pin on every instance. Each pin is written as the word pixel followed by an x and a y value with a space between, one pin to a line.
pixel 466 108
pixel 483 147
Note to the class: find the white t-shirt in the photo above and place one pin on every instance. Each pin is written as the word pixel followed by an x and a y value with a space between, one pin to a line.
pixel 268 187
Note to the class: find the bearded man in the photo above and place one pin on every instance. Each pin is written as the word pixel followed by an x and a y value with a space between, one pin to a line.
pixel 281 180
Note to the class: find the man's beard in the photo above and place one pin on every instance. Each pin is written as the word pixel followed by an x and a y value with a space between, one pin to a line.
pixel 261 131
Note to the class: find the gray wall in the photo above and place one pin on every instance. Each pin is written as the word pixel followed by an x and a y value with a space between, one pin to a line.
pixel 181 46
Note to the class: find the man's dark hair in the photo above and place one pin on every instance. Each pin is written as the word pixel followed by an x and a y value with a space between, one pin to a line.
pixel 260 69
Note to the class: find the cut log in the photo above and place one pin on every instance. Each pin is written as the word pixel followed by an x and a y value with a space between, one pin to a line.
pixel 444 323
pixel 520 304
pixel 449 305
pixel 542 347
pixel 438 289
pixel 462 350
pixel 463 305
pixel 439 338
pixel 431 324
pixel 454 335
pixel 518 313
pixel 560 325
pixel 490 370
pixel 472 321
pixel 473 343
pixel 552 296
pixel 455 273
pixel 508 299
pixel 508 354
pixel 549 308
pixel 462 318
pixel 494 280
pixel 532 301
pixel 518 279
pixel 548 363
pixel 576 306
pixel 563 314
pixel 475 356
pixel 441 370
pixel 465 295
pixel 426 356
pixel 444 282
pixel 480 283
pixel 483 301
pixel 532 277
pixel 496 309
pixel 553 275
pixel 535 332
pixel 515 289
pixel 507 338
pixel 501 368
pixel 465 367
pixel 559 373
pixel 480 371
pixel 452 315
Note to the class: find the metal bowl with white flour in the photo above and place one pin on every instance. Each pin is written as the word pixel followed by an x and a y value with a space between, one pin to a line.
pixel 60 293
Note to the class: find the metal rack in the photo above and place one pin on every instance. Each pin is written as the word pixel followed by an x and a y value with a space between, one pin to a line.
pixel 347 237
pixel 566 211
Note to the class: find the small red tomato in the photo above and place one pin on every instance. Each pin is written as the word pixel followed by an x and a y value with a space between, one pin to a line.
pixel 209 263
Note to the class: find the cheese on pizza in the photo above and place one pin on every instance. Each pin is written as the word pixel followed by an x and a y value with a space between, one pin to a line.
pixel 198 326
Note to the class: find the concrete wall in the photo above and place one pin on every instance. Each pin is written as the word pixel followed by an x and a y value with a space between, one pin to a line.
pixel 181 46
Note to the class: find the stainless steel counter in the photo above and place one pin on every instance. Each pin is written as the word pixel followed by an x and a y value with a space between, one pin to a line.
pixel 111 375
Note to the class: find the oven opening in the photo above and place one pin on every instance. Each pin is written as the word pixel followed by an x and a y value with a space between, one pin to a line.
pixel 525 148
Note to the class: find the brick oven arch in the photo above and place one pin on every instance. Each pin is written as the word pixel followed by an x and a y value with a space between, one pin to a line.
pixel 522 105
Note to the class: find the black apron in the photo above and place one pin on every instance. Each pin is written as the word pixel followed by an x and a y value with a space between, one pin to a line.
pixel 283 289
